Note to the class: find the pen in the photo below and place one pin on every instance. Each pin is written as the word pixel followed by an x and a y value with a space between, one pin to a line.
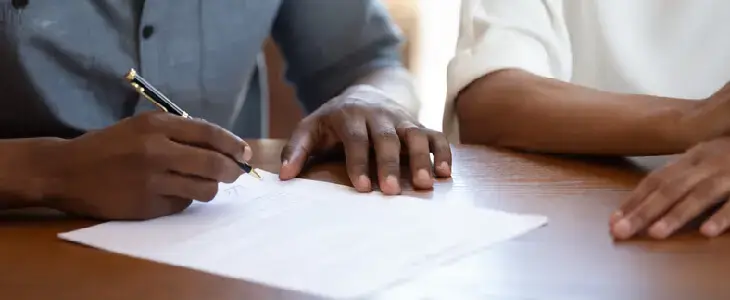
pixel 155 96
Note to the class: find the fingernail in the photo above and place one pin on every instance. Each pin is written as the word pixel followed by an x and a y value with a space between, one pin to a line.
pixel 363 183
pixel 660 230
pixel 392 181
pixel 616 216
pixel 622 229
pixel 247 153
pixel 423 176
pixel 284 163
pixel 444 167
pixel 710 229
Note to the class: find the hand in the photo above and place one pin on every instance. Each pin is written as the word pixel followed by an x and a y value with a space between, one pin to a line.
pixel 143 167
pixel 363 116
pixel 672 196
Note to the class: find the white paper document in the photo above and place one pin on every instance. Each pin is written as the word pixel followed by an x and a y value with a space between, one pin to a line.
pixel 315 237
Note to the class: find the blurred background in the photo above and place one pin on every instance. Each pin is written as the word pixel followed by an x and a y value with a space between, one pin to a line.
pixel 431 29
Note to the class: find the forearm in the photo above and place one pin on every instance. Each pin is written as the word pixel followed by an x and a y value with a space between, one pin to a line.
pixel 397 83
pixel 22 179
pixel 515 109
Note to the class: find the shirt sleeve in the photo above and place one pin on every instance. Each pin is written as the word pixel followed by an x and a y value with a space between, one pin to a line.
pixel 329 45
pixel 506 34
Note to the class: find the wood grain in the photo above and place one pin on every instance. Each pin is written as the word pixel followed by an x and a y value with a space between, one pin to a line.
pixel 571 258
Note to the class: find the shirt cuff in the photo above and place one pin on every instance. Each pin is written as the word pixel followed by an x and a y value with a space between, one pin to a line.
pixel 497 51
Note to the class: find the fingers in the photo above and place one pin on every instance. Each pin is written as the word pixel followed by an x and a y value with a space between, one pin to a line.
pixel 202 163
pixel 417 143
pixel 199 133
pixel 645 188
pixel 718 223
pixel 441 153
pixel 354 137
pixel 387 153
pixel 670 189
pixel 187 187
pixel 703 196
pixel 299 147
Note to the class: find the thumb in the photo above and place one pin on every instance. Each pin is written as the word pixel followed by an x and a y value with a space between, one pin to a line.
pixel 297 150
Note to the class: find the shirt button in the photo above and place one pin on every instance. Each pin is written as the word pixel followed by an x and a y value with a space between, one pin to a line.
pixel 19 4
pixel 147 31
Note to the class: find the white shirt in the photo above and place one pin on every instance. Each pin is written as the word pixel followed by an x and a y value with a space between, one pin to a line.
pixel 672 48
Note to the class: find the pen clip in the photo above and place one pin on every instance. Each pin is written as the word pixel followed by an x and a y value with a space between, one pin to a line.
pixel 141 91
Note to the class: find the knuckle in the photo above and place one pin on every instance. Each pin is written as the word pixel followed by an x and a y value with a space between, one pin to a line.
pixel 150 121
pixel 705 192
pixel 674 216
pixel 389 162
pixel 354 104
pixel 668 192
pixel 208 131
pixel 217 164
pixel 334 119
pixel 383 110
pixel 412 131
pixel 692 206
pixel 439 141
pixel 388 135
pixel 357 161
pixel 356 136
pixel 443 149
pixel 421 157
pixel 151 147
pixel 357 167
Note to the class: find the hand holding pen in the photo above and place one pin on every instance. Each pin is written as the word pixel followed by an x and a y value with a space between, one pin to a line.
pixel 146 166
pixel 155 96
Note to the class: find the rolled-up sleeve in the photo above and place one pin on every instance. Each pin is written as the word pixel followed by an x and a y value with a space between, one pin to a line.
pixel 329 45
pixel 506 34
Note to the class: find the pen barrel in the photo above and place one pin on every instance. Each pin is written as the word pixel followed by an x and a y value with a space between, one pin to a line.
pixel 244 166
pixel 152 94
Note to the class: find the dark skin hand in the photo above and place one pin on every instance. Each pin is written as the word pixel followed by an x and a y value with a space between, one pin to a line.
pixel 364 117
pixel 672 196
pixel 143 167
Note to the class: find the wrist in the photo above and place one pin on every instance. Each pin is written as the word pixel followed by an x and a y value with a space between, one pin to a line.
pixel 26 170
pixel 701 123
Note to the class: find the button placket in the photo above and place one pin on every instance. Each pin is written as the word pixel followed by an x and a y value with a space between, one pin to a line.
pixel 149 51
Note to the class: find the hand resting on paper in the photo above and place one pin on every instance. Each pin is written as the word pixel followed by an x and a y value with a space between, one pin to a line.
pixel 143 167
pixel 361 118
pixel 667 199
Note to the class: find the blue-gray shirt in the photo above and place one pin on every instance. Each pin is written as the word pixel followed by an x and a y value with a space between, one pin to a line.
pixel 63 62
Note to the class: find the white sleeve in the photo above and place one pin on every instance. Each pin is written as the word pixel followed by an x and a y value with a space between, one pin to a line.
pixel 504 34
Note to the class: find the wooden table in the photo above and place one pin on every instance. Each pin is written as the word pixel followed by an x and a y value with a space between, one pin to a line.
pixel 572 258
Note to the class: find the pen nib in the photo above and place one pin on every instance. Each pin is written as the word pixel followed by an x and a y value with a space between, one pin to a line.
pixel 255 174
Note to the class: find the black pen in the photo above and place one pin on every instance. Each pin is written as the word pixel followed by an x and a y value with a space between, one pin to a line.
pixel 155 96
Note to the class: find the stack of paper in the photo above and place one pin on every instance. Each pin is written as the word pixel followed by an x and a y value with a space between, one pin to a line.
pixel 315 237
